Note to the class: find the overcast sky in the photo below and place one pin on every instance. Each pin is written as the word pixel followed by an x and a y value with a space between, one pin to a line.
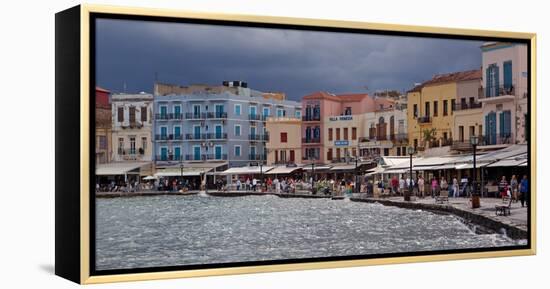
pixel 130 53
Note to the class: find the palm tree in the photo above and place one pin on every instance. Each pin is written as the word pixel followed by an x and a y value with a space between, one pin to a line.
pixel 429 135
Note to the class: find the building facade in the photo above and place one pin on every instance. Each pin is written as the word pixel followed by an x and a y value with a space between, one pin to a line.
pixel 203 123
pixel 430 114
pixel 285 140
pixel 103 124
pixel 504 79
pixel 468 113
pixel 132 122
pixel 385 132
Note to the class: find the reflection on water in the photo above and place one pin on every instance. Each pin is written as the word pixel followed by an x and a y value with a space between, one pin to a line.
pixel 184 230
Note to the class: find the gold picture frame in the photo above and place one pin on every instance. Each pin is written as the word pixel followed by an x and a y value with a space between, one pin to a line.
pixel 73 53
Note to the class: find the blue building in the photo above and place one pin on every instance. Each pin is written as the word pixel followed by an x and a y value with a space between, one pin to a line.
pixel 226 123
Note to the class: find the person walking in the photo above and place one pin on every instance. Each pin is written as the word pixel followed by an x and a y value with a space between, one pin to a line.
pixel 444 185
pixel 402 186
pixel 277 186
pixel 524 191
pixel 247 184
pixel 254 184
pixel 503 187
pixel 238 184
pixel 456 192
pixel 434 187
pixel 394 185
pixel 421 186
pixel 514 188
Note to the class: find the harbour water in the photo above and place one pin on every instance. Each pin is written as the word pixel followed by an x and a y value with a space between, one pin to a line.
pixel 184 230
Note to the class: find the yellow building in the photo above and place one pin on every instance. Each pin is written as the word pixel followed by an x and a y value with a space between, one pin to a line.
pixel 285 140
pixel 431 109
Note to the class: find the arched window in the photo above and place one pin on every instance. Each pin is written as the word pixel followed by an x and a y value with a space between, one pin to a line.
pixel 392 127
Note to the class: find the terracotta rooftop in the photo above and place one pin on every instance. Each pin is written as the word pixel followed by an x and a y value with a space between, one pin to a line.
pixel 449 77
pixel 339 97
pixel 97 88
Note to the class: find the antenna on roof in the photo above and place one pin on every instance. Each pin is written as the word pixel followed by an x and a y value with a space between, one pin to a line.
pixel 124 87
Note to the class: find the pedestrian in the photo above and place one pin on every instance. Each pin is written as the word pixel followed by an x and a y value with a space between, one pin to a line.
pixel 269 184
pixel 456 192
pixel 435 185
pixel 277 186
pixel 514 188
pixel 503 187
pixel 394 185
pixel 421 186
pixel 402 185
pixel 247 184
pixel 342 186
pixel 524 191
pixel 238 184
pixel 254 184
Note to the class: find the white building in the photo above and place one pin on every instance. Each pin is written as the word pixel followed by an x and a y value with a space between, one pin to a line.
pixel 132 121
pixel 504 80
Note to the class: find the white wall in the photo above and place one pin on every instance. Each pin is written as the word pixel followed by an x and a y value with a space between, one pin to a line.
pixel 27 210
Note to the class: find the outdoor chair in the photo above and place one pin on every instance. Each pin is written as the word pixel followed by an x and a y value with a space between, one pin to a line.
pixel 443 197
pixel 503 210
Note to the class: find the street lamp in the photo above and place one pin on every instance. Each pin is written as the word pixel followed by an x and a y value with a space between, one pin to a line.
pixel 474 141
pixel 261 176
pixel 356 181
pixel 410 151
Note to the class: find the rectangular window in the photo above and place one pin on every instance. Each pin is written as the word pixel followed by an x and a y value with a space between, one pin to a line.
pixel 237 109
pixel 237 130
pixel 280 112
pixel 386 152
pixel 472 130
pixel 346 133
pixel 252 110
pixel 461 133
pixel 177 153
pixel 353 133
pixel 445 109
pixel 337 133
pixel 329 154
pixel 132 145
pixel 330 134
pixel 337 153
pixel 436 108
pixel 143 114
pixel 507 70
pixel 426 108
pixel 102 142
pixel 298 114
pixel 132 114
pixel 291 157
pixel 398 151
pixel 120 114
pixel 283 156
pixel 144 143
pixel 283 137
pixel 276 156
pixel 237 151
pixel 354 152
pixel 415 110
pixel 266 111
pixel 453 103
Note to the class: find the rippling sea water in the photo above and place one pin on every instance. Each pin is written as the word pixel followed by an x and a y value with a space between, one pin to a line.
pixel 185 230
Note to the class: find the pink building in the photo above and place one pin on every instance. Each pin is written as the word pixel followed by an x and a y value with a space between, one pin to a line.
pixel 318 106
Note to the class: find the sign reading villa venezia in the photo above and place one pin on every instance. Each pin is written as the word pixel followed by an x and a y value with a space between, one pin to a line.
pixel 341 117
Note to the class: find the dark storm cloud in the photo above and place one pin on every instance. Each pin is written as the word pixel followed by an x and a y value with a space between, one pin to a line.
pixel 131 53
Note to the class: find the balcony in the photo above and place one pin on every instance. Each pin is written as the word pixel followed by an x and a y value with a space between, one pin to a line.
pixel 166 158
pixel 256 117
pixel 255 157
pixel 311 140
pixel 399 138
pixel 258 137
pixel 466 106
pixel 496 91
pixel 195 136
pixel 139 151
pixel 496 139
pixel 311 118
pixel 424 119
pixel 191 115
pixel 216 115
pixel 169 116
pixel 216 136
pixel 167 137
pixel 206 157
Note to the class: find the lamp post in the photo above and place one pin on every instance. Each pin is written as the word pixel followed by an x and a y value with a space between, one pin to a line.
pixel 261 176
pixel 410 151
pixel 312 174
pixel 357 190
pixel 474 141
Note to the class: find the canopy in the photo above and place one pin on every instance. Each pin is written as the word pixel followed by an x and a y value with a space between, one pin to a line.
pixel 119 168
pixel 512 162
pixel 186 172
pixel 282 170
pixel 345 167
pixel 247 170
pixel 147 178
pixel 317 167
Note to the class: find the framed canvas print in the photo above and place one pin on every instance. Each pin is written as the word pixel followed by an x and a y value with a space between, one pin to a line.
pixel 194 144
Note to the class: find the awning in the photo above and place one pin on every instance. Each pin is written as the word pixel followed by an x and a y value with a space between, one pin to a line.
pixel 470 166
pixel 377 170
pixel 523 164
pixel 507 163
pixel 427 168
pixel 398 171
pixel 320 168
pixel 246 170
pixel 122 168
pixel 282 170
pixel 186 172
pixel 343 168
